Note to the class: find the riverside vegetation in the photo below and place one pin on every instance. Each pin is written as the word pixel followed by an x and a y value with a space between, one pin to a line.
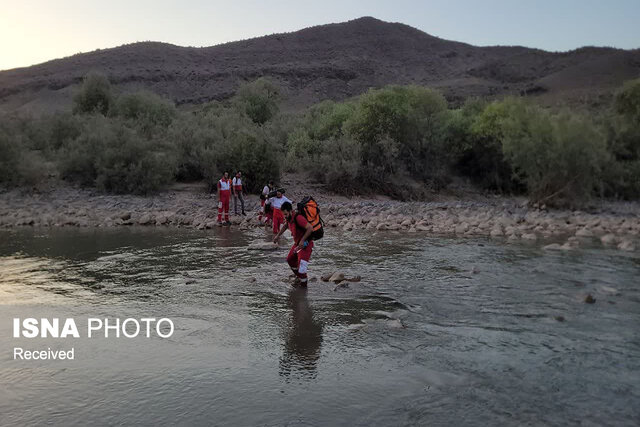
pixel 401 141
pixel 140 143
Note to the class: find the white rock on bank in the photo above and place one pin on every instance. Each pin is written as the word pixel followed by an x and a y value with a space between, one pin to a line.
pixel 608 239
pixel 627 245
pixel 584 232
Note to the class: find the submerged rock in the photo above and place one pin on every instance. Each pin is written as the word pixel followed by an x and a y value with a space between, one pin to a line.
pixel 553 247
pixel 262 246
pixel 326 276
pixel 584 232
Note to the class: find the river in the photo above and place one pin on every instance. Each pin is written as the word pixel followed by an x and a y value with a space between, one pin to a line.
pixel 440 331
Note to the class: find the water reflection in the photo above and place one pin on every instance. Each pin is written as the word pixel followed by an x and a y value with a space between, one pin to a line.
pixel 303 340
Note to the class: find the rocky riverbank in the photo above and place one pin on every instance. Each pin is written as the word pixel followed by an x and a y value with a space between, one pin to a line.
pixel 615 225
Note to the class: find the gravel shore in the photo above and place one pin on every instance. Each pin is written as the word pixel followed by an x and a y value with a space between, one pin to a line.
pixel 612 224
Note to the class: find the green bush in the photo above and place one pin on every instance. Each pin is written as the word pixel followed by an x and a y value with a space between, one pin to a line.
pixel 149 113
pixel 116 159
pixel 223 139
pixel 623 136
pixel 63 128
pixel 94 95
pixel 400 127
pixel 258 100
pixel 559 158
pixel 627 101
pixel 338 165
pixel 20 163
pixel 474 135
pixel 9 158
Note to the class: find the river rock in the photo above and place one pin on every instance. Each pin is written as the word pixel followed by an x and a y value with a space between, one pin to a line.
pixel 584 232
pixel 496 232
pixel 337 277
pixel 553 247
pixel 262 246
pixel 145 219
pixel 326 276
pixel 529 236
pixel 627 245
pixel 608 239
pixel 462 228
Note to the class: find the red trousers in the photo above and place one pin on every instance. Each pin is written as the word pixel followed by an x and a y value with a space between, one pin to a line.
pixel 261 210
pixel 278 220
pixel 299 260
pixel 223 205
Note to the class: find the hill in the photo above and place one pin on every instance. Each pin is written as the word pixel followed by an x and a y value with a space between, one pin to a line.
pixel 332 61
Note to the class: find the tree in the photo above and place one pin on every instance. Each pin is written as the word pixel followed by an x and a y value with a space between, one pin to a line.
pixel 258 100
pixel 94 95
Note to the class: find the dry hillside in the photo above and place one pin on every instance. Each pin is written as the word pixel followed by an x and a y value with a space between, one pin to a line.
pixel 332 61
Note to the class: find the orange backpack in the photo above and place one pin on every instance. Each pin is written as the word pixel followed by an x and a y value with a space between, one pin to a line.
pixel 311 211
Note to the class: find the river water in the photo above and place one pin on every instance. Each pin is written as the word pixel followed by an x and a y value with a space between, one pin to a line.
pixel 440 331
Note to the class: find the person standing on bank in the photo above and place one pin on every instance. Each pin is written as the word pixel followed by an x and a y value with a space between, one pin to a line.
pixel 224 196
pixel 276 204
pixel 238 193
pixel 300 253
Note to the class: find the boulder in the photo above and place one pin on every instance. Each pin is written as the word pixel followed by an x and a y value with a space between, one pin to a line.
pixel 145 219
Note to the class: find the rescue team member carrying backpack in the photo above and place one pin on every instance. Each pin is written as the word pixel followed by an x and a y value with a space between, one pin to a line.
pixel 301 223
pixel 224 195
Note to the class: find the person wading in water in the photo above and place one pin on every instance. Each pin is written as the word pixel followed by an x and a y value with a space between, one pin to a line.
pixel 265 203
pixel 300 253
pixel 276 204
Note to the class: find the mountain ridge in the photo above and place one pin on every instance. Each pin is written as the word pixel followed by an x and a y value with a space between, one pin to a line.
pixel 331 61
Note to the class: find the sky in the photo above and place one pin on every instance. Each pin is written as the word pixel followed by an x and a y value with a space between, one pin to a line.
pixel 34 31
